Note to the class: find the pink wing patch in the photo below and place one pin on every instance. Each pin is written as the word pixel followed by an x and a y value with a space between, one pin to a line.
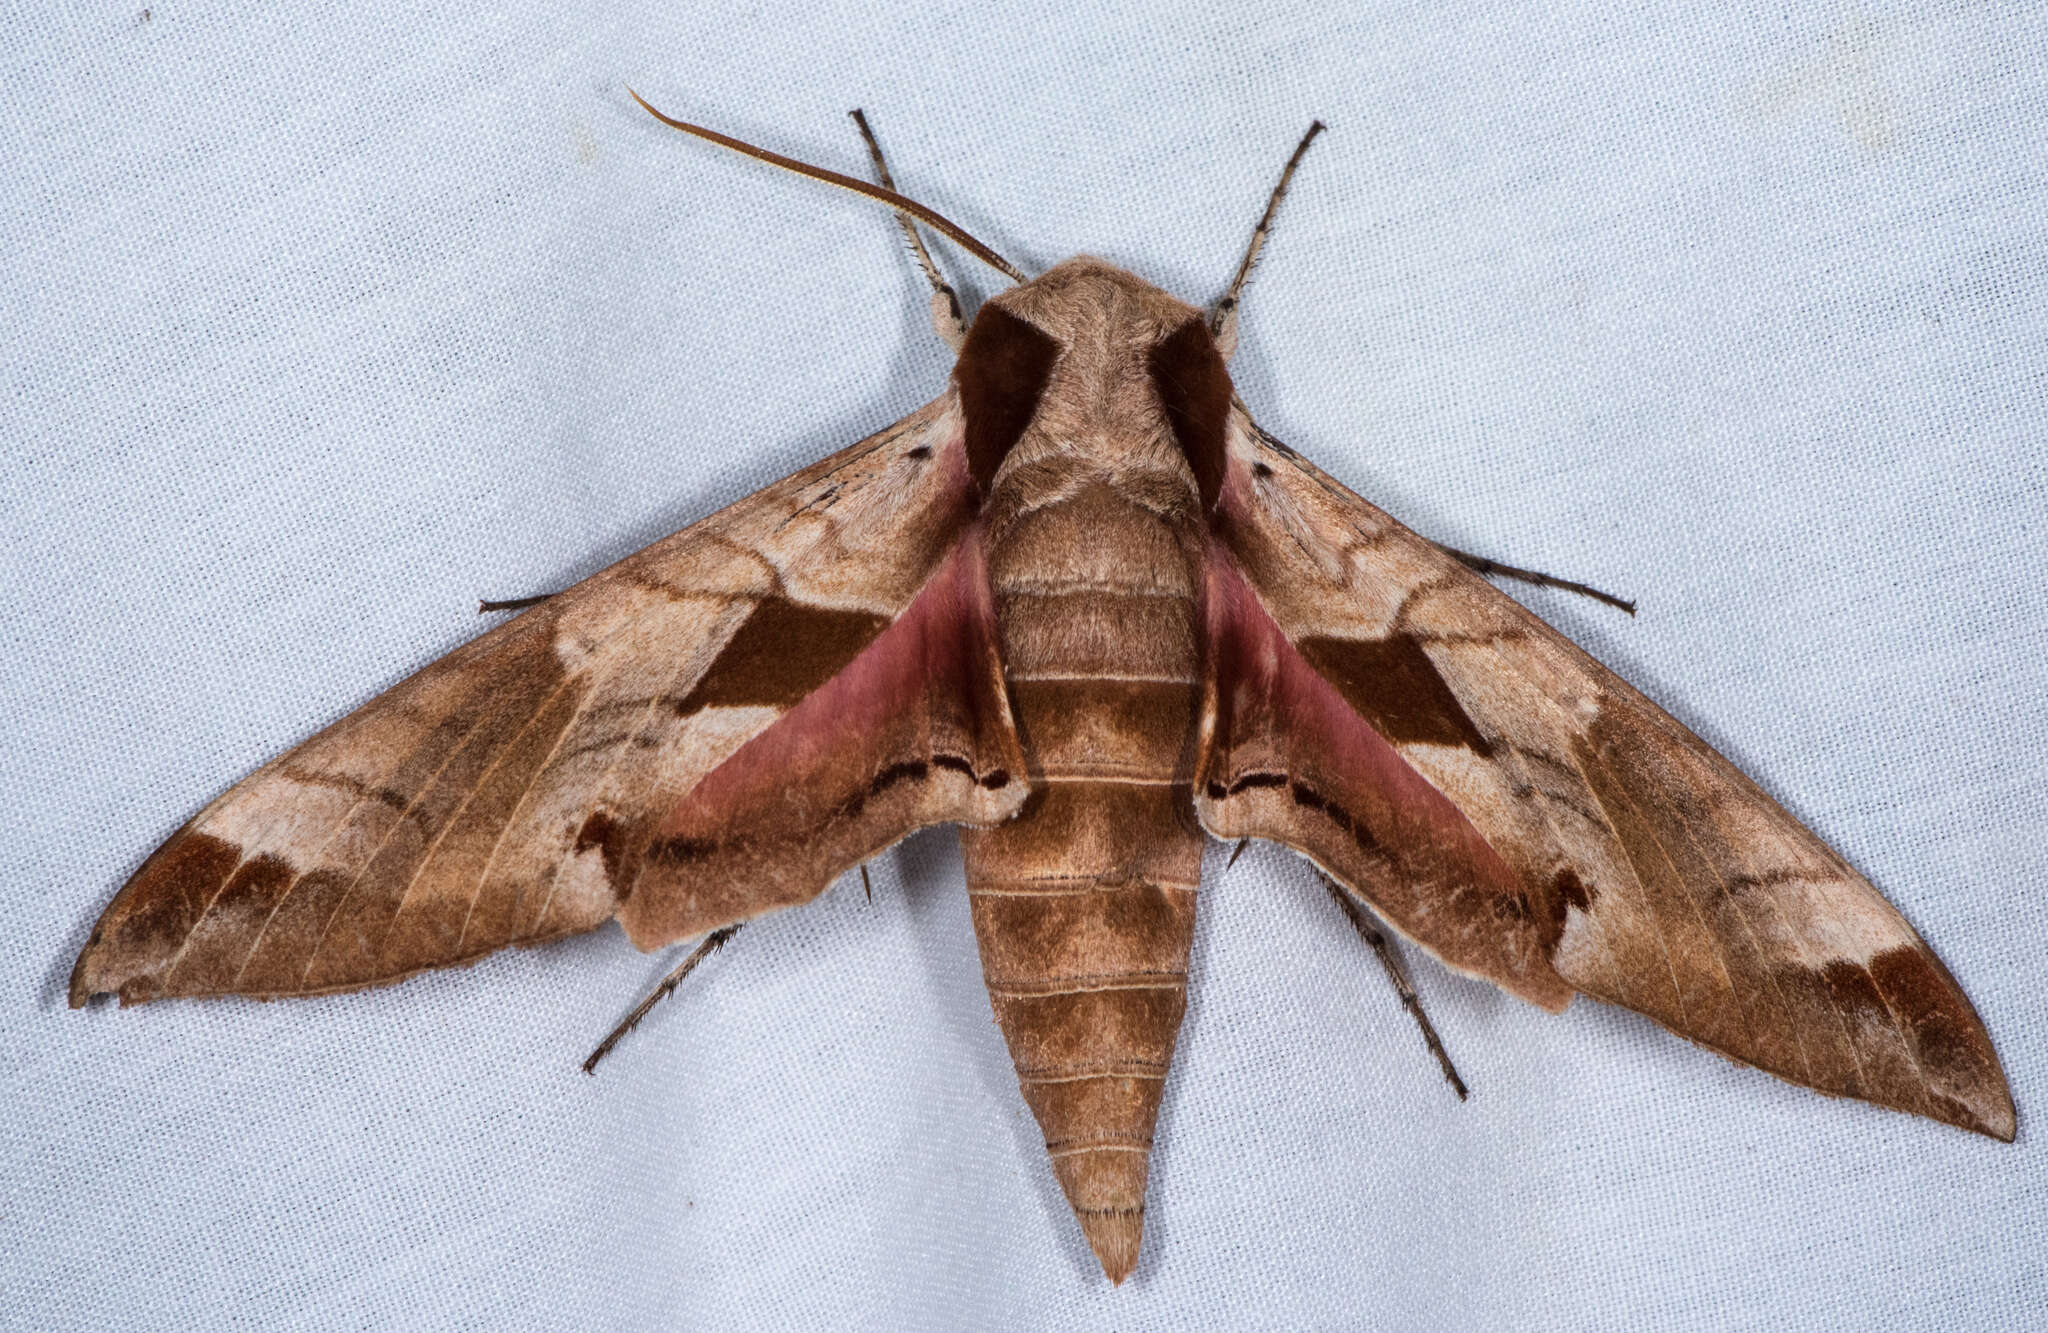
pixel 915 730
pixel 1292 759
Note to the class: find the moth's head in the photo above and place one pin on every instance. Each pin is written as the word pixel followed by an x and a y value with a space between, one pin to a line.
pixel 1086 299
pixel 1087 357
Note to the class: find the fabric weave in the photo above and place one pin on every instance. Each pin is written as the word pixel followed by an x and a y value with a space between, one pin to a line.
pixel 324 321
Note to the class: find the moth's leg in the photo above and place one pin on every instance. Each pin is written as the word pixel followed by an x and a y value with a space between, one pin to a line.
pixel 1481 564
pixel 1410 1001
pixel 947 320
pixel 1223 317
pixel 711 945
pixel 514 604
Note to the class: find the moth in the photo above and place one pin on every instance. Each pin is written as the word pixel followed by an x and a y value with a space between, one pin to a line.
pixel 1083 607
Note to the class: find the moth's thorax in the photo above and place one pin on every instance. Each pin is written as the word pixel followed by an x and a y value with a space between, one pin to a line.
pixel 1093 514
pixel 1099 402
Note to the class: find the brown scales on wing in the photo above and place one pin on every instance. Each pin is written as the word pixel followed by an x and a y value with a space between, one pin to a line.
pixel 825 672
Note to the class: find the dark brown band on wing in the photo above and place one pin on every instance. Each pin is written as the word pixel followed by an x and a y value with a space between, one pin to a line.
pixel 1194 387
pixel 1395 687
pixel 1001 372
pixel 783 651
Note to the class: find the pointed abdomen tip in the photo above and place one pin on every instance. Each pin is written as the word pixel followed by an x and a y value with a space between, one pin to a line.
pixel 1114 1235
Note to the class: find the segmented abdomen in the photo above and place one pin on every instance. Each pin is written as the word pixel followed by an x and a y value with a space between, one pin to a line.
pixel 1084 904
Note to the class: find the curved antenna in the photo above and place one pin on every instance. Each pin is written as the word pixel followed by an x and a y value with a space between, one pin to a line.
pixel 900 203
pixel 1223 317
pixel 956 329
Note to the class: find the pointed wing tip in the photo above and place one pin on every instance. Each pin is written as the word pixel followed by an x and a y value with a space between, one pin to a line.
pixel 1994 1116
pixel 1962 1081
pixel 113 962
pixel 92 980
pixel 81 991
pixel 88 980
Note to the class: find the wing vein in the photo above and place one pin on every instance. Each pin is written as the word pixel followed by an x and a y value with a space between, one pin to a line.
pixel 327 927
pixel 1649 904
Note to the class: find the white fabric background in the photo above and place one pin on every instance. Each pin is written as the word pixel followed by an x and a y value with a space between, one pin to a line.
pixel 323 320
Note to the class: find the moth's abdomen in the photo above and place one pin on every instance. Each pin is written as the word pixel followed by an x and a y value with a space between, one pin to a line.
pixel 1084 904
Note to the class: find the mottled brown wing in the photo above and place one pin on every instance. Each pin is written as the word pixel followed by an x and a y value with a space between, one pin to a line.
pixel 1516 808
pixel 708 730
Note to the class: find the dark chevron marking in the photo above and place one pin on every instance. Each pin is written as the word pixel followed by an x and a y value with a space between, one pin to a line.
pixel 1308 798
pixel 1217 791
pixel 910 770
pixel 1311 799
pixel 994 779
pixel 675 850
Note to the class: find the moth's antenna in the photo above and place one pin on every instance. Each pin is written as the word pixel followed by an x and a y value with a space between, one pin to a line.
pixel 901 204
pixel 924 256
pixel 947 320
pixel 1223 319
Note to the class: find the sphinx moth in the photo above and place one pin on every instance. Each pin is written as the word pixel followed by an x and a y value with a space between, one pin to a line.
pixel 1083 607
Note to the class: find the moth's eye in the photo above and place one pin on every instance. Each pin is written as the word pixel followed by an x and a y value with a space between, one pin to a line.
pixel 1194 388
pixel 1001 372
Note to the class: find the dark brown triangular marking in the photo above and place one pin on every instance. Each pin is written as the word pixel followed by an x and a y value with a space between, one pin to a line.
pixel 1395 687
pixel 1194 388
pixel 606 834
pixel 1567 891
pixel 1002 370
pixel 1573 890
pixel 784 651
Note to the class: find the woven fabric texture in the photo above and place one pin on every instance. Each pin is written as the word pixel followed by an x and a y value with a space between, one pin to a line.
pixel 324 320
